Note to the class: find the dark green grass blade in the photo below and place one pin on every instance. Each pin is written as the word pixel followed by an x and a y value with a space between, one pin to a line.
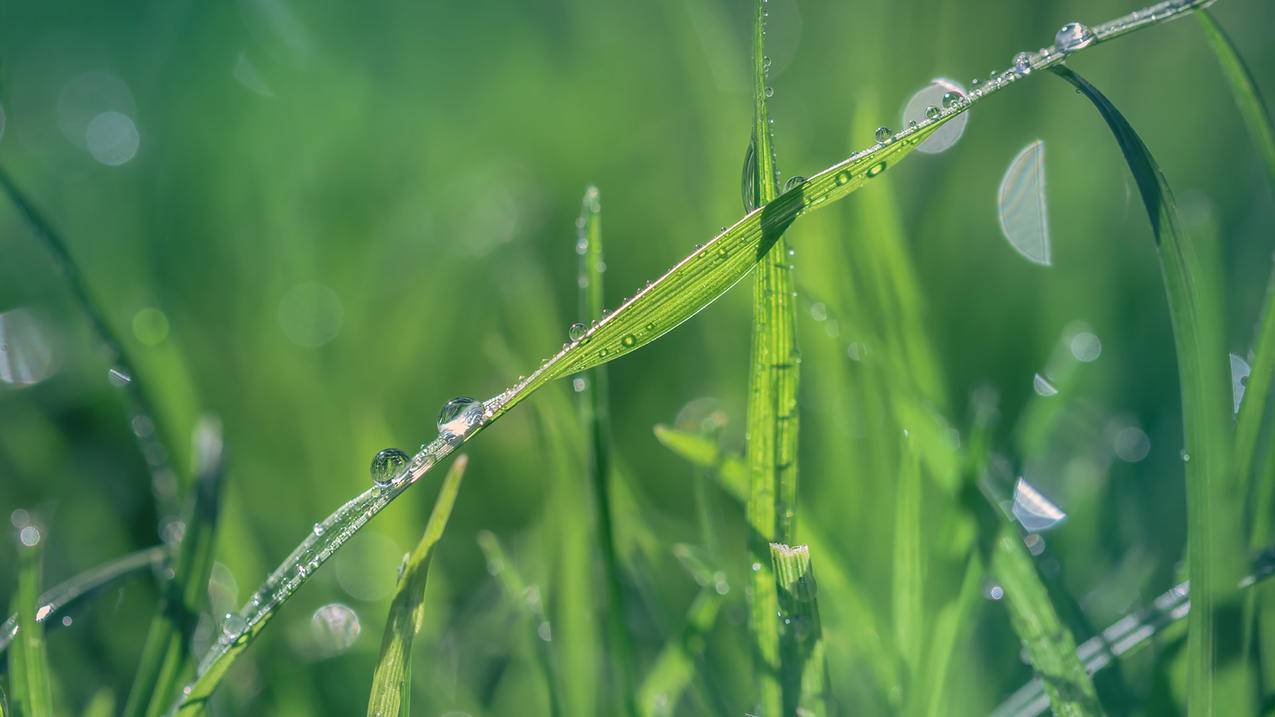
pixel 676 665
pixel 28 660
pixel 528 598
pixel 772 398
pixel 138 403
pixel 392 678
pixel 1220 683
pixel 166 661
pixel 595 407
pixel 805 672
pixel 83 586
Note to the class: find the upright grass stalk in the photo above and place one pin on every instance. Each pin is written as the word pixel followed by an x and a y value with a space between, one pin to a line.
pixel 677 663
pixel 688 287
pixel 805 674
pixel 28 660
pixel 166 661
pixel 772 396
pixel 595 406
pixel 392 679
pixel 1219 678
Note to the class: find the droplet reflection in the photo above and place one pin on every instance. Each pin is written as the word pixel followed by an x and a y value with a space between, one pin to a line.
pixel 1034 511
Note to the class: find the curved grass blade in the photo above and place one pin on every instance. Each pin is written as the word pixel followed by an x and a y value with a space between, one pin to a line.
pixel 392 679
pixel 1219 674
pixel 122 373
pixel 28 660
pixel 166 660
pixel 88 583
pixel 528 597
pixel 772 400
pixel 595 407
pixel 687 288
pixel 805 673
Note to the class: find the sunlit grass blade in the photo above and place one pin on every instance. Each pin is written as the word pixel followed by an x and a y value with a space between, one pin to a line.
pixel 595 406
pixel 1219 681
pixel 166 661
pixel 804 673
pixel 148 432
pixel 101 705
pixel 29 677
pixel 952 625
pixel 392 680
pixel 88 583
pixel 909 566
pixel 528 598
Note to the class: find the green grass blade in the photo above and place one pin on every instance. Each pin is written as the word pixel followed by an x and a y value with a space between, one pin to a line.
pixel 595 406
pixel 1048 642
pixel 101 705
pixel 166 661
pixel 392 679
pixel 952 625
pixel 1219 681
pixel 772 398
pixel 528 598
pixel 909 566
pixel 88 583
pixel 676 666
pixel 122 372
pixel 804 673
pixel 1244 88
pixel 28 660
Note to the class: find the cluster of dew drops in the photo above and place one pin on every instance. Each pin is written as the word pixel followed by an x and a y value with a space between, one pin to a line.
pixel 457 419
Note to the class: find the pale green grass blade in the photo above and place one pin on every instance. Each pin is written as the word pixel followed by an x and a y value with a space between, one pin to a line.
pixel 83 586
pixel 909 560
pixel 952 625
pixel 772 396
pixel 1248 99
pixel 1048 642
pixel 1220 680
pixel 528 597
pixel 29 677
pixel 166 661
pixel 101 705
pixel 595 407
pixel 805 672
pixel 675 667
pixel 392 678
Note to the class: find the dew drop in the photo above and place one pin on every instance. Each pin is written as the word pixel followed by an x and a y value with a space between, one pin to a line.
pixel 876 169
pixel 577 331
pixel 1073 36
pixel 951 99
pixel 770 91
pixel 1022 63
pixel 629 341
pixel 458 418
pixel 975 83
pixel 933 112
pixel 843 176
pixel 233 625
pixel 883 135
pixel 386 465
pixel 794 182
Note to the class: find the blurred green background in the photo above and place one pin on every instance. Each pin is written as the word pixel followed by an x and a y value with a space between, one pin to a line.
pixel 321 221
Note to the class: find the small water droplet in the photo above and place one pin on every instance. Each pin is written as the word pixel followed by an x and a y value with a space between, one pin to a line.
pixel 318 529
pixel 933 112
pixel 794 182
pixel 1186 457
pixel 629 341
pixel 1022 63
pixel 386 465
pixel 883 135
pixel 232 625
pixel 843 177
pixel 770 91
pixel 577 331
pixel 975 83
pixel 1073 36
pixel 876 169
pixel 458 418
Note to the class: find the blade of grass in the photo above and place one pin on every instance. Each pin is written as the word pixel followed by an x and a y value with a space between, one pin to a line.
pixel 1219 681
pixel 101 705
pixel 909 535
pixel 951 627
pixel 805 673
pixel 83 586
pixel 148 432
pixel 687 288
pixel 595 407
pixel 528 597
pixel 676 665
pixel 166 660
pixel 772 399
pixel 392 678
pixel 28 660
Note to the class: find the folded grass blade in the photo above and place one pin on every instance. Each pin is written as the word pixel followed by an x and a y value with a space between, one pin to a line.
pixel 392 679
pixel 1219 676
pixel 28 660
pixel 166 661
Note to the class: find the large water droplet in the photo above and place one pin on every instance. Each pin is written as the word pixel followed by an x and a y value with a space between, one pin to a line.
pixel 1021 204
pixel 951 99
pixel 458 418
pixel 233 625
pixel 1073 36
pixel 883 135
pixel 1239 379
pixel 386 465
pixel 577 331
pixel 1033 510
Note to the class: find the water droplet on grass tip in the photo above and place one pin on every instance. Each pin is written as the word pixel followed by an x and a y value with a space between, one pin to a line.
pixel 386 465
pixel 577 331
pixel 883 135
pixel 1073 36
pixel 458 418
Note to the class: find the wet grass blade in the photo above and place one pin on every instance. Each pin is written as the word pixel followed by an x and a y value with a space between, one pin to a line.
pixel 392 679
pixel 595 407
pixel 528 597
pixel 772 397
pixel 166 661
pixel 88 583
pixel 804 672
pixel 1219 681
pixel 28 660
